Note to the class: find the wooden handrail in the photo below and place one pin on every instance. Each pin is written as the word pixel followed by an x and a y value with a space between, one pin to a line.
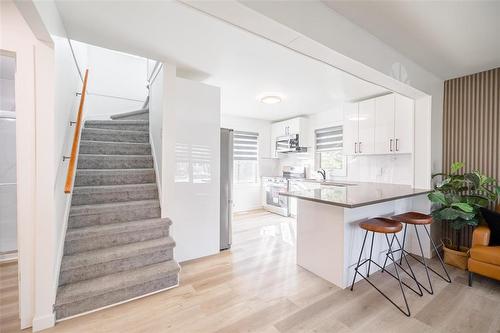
pixel 76 137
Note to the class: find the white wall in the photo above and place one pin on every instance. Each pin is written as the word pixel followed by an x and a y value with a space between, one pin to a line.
pixel 117 81
pixel 191 137
pixel 248 196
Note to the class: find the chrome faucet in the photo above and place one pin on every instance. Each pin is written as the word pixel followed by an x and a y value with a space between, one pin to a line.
pixel 322 172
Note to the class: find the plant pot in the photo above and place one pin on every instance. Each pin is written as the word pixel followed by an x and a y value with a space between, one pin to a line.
pixel 455 258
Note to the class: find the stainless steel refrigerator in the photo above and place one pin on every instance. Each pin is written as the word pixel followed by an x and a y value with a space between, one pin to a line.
pixel 226 187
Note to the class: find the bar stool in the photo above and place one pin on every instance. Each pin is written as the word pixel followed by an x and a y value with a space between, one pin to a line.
pixel 418 219
pixel 384 226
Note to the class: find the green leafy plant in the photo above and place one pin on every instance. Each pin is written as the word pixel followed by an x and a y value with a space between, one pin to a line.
pixel 460 196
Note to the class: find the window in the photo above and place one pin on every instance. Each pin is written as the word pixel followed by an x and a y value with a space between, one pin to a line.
pixel 329 149
pixel 245 156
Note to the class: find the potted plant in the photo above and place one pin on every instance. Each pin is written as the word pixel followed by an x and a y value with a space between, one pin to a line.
pixel 458 200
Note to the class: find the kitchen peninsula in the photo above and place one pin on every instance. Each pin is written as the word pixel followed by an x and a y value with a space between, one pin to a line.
pixel 328 236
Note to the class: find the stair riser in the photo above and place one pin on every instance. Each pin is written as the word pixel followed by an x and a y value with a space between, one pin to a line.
pixel 109 197
pixel 70 309
pixel 123 238
pixel 125 127
pixel 114 149
pixel 115 266
pixel 98 179
pixel 109 136
pixel 114 162
pixel 113 217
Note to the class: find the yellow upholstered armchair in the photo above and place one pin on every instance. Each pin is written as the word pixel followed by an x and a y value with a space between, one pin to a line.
pixel 483 259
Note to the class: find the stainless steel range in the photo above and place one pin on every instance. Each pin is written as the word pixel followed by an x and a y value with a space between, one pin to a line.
pixel 271 199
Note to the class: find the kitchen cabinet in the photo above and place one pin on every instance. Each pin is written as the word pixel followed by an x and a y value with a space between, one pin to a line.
pixel 350 132
pixel 384 124
pixel 381 125
pixel 292 126
pixel 366 136
pixel 403 125
pixel 359 128
pixel 393 124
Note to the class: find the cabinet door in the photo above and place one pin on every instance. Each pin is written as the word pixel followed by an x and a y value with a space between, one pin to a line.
pixel 366 117
pixel 384 125
pixel 403 125
pixel 350 133
pixel 293 126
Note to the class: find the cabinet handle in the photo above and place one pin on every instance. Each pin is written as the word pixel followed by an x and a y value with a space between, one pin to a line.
pixel 390 145
pixel 355 147
pixel 360 147
pixel 397 148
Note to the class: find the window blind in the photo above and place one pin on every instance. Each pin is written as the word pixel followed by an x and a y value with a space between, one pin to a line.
pixel 245 146
pixel 328 139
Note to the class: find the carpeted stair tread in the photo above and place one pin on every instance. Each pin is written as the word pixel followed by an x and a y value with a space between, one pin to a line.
pixel 111 207
pixel 115 228
pixel 115 253
pixel 107 161
pixel 114 148
pixel 87 195
pixel 92 264
pixel 74 292
pixel 100 236
pixel 102 134
pixel 134 125
pixel 89 177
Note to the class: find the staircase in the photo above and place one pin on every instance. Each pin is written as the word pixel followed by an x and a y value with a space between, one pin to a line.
pixel 117 247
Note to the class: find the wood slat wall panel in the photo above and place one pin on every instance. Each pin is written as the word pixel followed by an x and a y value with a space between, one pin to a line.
pixel 471 126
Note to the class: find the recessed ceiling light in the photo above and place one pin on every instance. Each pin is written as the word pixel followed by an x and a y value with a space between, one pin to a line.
pixel 270 99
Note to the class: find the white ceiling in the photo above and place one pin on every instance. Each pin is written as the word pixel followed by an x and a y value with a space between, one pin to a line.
pixel 448 38
pixel 243 65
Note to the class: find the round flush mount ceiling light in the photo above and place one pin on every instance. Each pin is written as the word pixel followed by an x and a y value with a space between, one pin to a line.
pixel 270 99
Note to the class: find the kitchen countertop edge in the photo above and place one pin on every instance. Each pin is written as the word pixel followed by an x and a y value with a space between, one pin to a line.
pixel 356 205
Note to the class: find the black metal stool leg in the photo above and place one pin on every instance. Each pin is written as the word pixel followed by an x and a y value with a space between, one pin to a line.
pixel 370 260
pixel 439 257
pixel 431 291
pixel 387 255
pixel 407 313
pixel 404 241
pixel 359 260
pixel 412 275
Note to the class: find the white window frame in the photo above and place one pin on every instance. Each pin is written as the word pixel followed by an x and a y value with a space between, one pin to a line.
pixel 236 161
pixel 317 154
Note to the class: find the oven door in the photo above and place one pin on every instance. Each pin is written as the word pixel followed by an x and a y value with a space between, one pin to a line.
pixel 273 201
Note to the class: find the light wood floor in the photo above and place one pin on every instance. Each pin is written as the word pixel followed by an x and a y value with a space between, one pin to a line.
pixel 257 287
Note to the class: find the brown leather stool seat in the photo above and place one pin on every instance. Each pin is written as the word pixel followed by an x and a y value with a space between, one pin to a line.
pixel 413 218
pixel 381 225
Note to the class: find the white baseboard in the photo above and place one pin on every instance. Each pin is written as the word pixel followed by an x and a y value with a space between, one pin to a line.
pixel 115 304
pixel 43 322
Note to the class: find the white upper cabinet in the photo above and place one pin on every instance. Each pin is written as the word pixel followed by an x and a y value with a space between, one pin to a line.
pixel 366 117
pixel 403 125
pixel 350 133
pixel 382 125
